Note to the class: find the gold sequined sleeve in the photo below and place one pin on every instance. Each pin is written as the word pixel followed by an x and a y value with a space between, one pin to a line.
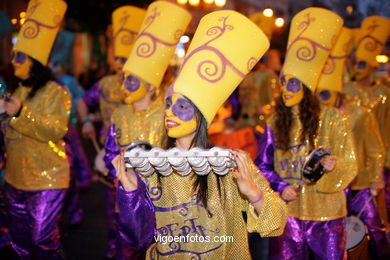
pixel 273 216
pixel 374 149
pixel 49 123
pixel 338 136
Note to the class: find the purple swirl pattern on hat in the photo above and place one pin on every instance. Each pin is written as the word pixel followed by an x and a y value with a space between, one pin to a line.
pixel 127 36
pixel 209 70
pixel 369 41
pixel 305 53
pixel 31 27
pixel 149 42
pixel 330 64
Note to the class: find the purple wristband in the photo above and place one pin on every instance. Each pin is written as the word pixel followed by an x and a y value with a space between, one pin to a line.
pixel 254 202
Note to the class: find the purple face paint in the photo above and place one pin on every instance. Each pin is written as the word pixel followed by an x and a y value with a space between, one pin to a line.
pixel 293 85
pixel 132 83
pixel 324 95
pixel 282 80
pixel 168 102
pixel 361 65
pixel 120 59
pixel 20 57
pixel 183 110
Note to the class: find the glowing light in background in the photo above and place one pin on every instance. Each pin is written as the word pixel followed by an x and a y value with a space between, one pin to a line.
pixel 22 14
pixel 22 20
pixel 349 9
pixel 184 39
pixel 182 2
pixel 268 12
pixel 382 58
pixel 14 20
pixel 194 2
pixel 220 3
pixel 208 1
pixel 279 22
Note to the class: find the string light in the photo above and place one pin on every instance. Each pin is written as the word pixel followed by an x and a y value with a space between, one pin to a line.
pixel 220 3
pixel 22 14
pixel 22 20
pixel 279 22
pixel 194 2
pixel 14 20
pixel 268 12
pixel 182 2
pixel 184 39
pixel 208 1
pixel 382 58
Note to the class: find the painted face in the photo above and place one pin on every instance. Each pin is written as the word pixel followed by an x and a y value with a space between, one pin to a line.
pixel 327 97
pixel 134 88
pixel 119 62
pixel 22 65
pixel 361 70
pixel 292 90
pixel 180 119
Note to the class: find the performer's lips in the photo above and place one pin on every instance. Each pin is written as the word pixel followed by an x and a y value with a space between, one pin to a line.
pixel 287 97
pixel 171 124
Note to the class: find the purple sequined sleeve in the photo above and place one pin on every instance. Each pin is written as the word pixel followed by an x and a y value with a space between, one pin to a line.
pixel 91 97
pixel 265 161
pixel 137 222
pixel 112 150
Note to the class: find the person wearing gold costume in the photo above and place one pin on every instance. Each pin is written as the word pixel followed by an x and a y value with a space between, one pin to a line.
pixel 37 169
pixel 107 92
pixel 368 143
pixel 202 208
pixel 317 211
pixel 141 118
pixel 364 91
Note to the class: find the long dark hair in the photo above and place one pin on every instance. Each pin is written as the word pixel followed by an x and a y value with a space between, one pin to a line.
pixel 201 140
pixel 309 115
pixel 39 76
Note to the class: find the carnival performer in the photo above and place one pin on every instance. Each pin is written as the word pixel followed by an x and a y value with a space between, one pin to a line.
pixel 210 206
pixel 141 118
pixel 108 94
pixel 368 143
pixel 37 169
pixel 316 211
pixel 364 91
pixel 81 175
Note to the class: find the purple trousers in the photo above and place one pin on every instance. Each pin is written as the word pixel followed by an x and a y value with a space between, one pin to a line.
pixel 378 245
pixel 33 219
pixel 303 238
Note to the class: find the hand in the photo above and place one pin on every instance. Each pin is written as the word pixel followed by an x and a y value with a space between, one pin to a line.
pixel 88 130
pixel 290 193
pixel 12 106
pixel 328 162
pixel 126 176
pixel 375 187
pixel 244 175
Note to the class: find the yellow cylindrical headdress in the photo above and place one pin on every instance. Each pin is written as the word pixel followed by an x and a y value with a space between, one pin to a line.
pixel 313 32
pixel 126 22
pixel 266 24
pixel 225 47
pixel 37 35
pixel 373 34
pixel 161 30
pixel 332 74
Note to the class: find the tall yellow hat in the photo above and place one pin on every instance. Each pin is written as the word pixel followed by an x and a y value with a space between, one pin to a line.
pixel 332 74
pixel 266 24
pixel 126 22
pixel 313 32
pixel 225 47
pixel 37 35
pixel 161 30
pixel 372 37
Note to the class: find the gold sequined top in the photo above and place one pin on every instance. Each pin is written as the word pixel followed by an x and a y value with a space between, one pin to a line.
pixel 368 145
pixel 324 200
pixel 110 98
pixel 36 158
pixel 376 99
pixel 132 126
pixel 256 94
pixel 179 213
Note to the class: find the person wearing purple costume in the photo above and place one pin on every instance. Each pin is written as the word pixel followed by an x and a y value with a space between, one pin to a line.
pixel 37 115
pixel 317 211
pixel 81 174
